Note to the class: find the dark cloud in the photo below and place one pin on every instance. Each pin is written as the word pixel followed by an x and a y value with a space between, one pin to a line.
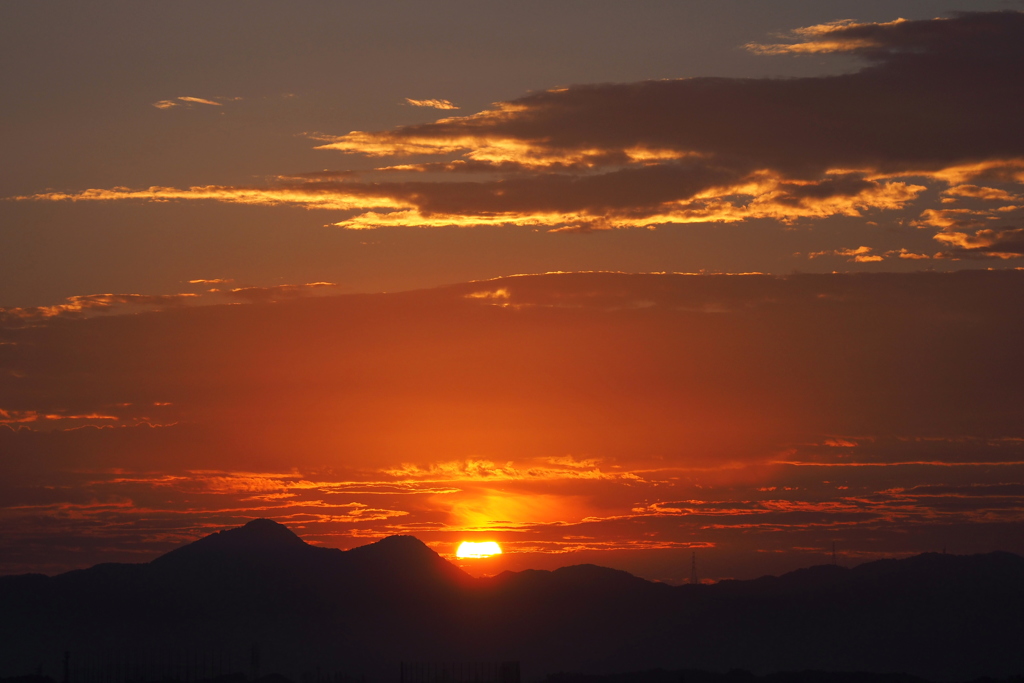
pixel 849 185
pixel 641 189
pixel 992 243
pixel 943 91
pixel 938 102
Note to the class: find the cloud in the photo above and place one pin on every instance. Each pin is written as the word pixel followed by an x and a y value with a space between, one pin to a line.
pixel 630 197
pixel 978 192
pixel 700 149
pixel 433 104
pixel 861 254
pixel 805 125
pixel 187 101
pixel 199 100
pixel 91 303
pixel 278 292
pixel 953 219
pixel 108 304
pixel 998 243
pixel 845 35
pixel 455 472
pixel 908 255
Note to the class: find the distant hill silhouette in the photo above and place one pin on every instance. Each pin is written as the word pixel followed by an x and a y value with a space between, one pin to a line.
pixel 940 617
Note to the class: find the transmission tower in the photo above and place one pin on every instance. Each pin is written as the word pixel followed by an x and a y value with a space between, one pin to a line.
pixel 693 568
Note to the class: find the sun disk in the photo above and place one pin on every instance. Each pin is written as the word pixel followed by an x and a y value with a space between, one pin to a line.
pixel 469 549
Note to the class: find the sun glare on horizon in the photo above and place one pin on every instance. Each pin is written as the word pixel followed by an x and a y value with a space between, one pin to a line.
pixel 470 550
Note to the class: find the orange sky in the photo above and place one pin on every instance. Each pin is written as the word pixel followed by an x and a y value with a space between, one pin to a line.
pixel 626 420
pixel 278 263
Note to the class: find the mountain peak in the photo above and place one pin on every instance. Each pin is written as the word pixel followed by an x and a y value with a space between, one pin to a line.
pixel 398 548
pixel 407 556
pixel 264 528
pixel 258 537
pixel 401 541
pixel 258 534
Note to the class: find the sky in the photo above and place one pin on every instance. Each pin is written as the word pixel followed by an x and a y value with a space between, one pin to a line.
pixel 608 282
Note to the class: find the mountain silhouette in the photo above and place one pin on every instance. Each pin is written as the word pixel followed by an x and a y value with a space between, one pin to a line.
pixel 362 611
pixel 258 537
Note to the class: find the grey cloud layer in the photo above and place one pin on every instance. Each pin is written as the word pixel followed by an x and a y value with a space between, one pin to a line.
pixel 936 106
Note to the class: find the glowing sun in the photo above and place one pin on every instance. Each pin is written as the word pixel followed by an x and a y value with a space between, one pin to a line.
pixel 468 549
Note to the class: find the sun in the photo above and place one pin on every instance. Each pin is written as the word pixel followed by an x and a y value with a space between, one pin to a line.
pixel 469 549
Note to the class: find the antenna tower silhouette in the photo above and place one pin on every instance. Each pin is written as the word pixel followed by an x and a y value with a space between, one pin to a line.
pixel 834 553
pixel 693 568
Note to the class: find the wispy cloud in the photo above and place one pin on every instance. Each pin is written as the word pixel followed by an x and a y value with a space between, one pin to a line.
pixel 432 104
pixel 845 35
pixel 106 304
pixel 861 254
pixel 187 101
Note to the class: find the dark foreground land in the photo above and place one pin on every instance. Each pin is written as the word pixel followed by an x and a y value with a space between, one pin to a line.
pixel 652 676
pixel 258 599
pixel 739 676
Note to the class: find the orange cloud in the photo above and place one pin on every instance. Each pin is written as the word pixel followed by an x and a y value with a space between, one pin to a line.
pixel 485 470
pixel 9 417
pixel 845 35
pixel 978 192
pixel 90 303
pixel 199 100
pixel 108 304
pixel 670 194
pixel 861 254
pixel 697 150
pixel 1005 243
pixel 432 104
pixel 277 292
pixel 909 255
pixel 187 101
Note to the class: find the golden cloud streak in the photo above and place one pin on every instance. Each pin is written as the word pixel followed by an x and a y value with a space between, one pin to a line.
pixel 97 304
pixel 433 104
pixel 311 196
pixel 394 205
pixel 487 471
pixel 707 207
pixel 1006 170
pixel 177 102
pixel 495 150
pixel 982 240
pixel 835 36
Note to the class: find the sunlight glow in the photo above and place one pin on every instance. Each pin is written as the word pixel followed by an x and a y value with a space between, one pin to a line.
pixel 469 549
